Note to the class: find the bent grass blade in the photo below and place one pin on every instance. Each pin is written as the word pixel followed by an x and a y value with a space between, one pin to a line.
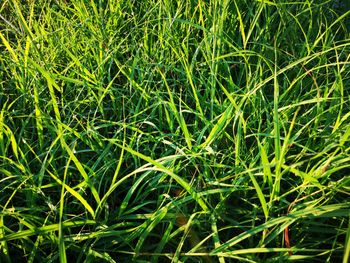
pixel 177 178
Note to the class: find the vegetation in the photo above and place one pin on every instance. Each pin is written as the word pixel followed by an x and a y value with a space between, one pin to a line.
pixel 174 131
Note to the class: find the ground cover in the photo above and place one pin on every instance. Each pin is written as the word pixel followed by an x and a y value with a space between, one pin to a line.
pixel 174 131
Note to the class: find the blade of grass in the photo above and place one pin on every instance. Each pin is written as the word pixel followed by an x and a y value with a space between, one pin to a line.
pixel 61 245
pixel 241 25
pixel 74 193
pixel 82 172
pixel 153 222
pixel 322 211
pixel 259 193
pixel 216 237
pixel 45 230
pixel 9 48
pixel 276 129
pixel 4 251
pixel 346 256
pixel 177 178
pixel 178 115
pixel 218 127
pixel 266 165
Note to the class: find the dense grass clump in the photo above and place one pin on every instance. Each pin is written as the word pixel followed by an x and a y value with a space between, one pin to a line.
pixel 174 131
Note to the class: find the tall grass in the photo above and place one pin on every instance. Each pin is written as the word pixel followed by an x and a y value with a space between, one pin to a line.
pixel 174 131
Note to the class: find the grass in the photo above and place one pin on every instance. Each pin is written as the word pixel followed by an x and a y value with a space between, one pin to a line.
pixel 174 131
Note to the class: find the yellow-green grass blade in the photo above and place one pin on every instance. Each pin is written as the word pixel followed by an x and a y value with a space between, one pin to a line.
pixel 339 122
pixel 51 84
pixel 188 72
pixel 75 194
pixel 22 19
pixel 177 178
pixel 346 256
pixel 133 83
pixel 218 127
pixel 81 171
pixel 61 244
pixel 12 139
pixel 344 138
pixel 178 115
pixel 152 223
pixel 216 237
pixel 293 64
pixel 4 251
pixel 260 195
pixel 142 169
pixel 2 123
pixel 276 131
pixel 38 117
pixel 307 177
pixel 261 250
pixel 102 255
pixel 328 28
pixel 132 189
pixel 88 76
pixel 186 229
pixel 9 48
pixel 120 161
pixel 266 165
pixel 301 103
pixel 286 141
pixel 267 2
pixel 45 230
pixel 327 211
pixel 238 138
pixel 254 22
pixel 241 25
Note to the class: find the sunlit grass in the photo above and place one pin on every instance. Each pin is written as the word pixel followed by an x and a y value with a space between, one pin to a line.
pixel 174 131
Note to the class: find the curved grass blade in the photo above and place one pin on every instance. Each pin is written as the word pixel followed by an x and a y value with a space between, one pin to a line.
pixel 177 178
pixel 44 230
pixel 74 193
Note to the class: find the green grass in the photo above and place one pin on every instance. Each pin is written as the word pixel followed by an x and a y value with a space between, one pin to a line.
pixel 174 131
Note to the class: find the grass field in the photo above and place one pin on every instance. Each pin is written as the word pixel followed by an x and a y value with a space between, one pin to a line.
pixel 174 131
